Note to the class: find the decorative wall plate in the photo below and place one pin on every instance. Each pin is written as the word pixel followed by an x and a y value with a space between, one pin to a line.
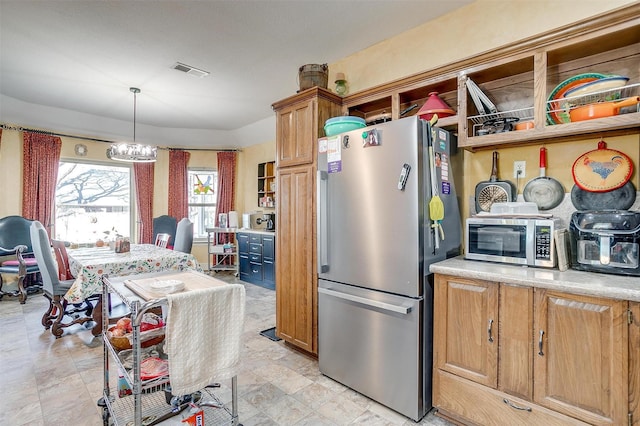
pixel 80 150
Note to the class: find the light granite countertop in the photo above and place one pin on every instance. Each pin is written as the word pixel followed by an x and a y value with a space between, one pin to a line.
pixel 570 281
pixel 256 231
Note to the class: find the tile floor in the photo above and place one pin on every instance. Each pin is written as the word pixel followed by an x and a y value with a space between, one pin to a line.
pixel 48 381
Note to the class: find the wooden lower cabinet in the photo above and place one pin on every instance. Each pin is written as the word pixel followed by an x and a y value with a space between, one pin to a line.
pixel 634 363
pixel 582 360
pixel 507 354
pixel 296 313
pixel 467 333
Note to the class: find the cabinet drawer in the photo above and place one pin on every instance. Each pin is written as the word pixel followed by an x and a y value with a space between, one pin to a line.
pixel 253 238
pixel 256 271
pixel 255 258
pixel 255 248
pixel 479 404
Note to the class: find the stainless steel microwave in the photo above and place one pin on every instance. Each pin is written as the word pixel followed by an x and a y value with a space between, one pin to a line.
pixel 520 241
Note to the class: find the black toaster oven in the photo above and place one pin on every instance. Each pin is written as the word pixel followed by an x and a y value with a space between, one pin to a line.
pixel 606 241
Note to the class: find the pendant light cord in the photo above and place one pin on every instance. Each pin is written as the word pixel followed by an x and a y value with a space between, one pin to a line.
pixel 135 91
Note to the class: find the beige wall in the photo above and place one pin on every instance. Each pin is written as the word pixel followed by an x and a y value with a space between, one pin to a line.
pixel 476 28
pixel 468 31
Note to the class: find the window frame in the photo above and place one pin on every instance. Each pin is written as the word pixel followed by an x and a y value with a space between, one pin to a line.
pixel 190 170
pixel 133 211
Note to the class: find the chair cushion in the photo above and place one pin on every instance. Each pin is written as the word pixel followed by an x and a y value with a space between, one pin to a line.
pixel 30 261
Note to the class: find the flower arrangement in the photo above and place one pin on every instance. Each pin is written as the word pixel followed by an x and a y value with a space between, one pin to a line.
pixel 111 235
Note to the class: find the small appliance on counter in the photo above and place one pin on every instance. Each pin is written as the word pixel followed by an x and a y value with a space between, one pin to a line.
pixel 606 241
pixel 513 232
pixel 253 221
pixel 271 221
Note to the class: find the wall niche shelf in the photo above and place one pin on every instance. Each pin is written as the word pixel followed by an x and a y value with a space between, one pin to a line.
pixel 267 184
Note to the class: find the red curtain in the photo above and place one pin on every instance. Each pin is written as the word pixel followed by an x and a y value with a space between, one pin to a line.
pixel 143 176
pixel 226 182
pixel 40 162
pixel 178 184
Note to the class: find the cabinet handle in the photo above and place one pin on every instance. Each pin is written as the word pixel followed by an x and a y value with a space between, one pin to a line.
pixel 255 271
pixel 512 405
pixel 540 344
pixel 489 330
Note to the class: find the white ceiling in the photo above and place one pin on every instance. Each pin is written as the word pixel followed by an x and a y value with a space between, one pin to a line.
pixel 68 65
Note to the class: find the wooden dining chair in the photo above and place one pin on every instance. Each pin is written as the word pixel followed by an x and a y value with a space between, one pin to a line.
pixel 162 240
pixel 60 250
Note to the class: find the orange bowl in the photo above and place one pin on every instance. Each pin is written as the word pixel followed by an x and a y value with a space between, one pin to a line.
pixel 524 125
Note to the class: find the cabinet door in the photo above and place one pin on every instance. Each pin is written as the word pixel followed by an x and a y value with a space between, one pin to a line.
pixel 634 362
pixel 268 247
pixel 515 359
pixel 466 329
pixel 295 250
pixel 243 243
pixel 294 134
pixel 581 361
pixel 244 267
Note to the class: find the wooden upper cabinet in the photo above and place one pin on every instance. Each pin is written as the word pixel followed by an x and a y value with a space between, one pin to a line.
pixel 300 122
pixel 295 137
pixel 581 361
pixel 466 329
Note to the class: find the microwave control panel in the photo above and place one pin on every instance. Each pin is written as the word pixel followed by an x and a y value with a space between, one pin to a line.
pixel 544 239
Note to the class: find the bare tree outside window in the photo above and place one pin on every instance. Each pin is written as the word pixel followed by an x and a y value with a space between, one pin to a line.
pixel 93 202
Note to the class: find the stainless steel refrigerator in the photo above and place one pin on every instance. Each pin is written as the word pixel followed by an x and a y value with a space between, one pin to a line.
pixel 376 240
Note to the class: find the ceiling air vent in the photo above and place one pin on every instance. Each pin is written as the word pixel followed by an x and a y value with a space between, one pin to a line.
pixel 190 70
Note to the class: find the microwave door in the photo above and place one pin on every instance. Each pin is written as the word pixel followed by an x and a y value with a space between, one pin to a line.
pixel 499 243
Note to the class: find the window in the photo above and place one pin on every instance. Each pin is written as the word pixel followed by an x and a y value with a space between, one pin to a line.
pixel 93 201
pixel 203 187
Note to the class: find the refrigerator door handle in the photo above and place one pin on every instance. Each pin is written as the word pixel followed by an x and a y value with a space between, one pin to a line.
pixel 364 301
pixel 321 217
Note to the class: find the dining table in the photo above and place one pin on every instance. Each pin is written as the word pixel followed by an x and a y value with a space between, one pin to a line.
pixel 89 264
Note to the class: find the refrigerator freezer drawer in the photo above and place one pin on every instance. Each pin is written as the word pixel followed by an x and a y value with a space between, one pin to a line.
pixel 374 343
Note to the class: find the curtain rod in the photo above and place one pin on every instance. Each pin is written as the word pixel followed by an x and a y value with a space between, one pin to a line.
pixel 44 132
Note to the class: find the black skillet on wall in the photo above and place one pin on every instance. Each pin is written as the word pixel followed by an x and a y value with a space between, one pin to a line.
pixel 616 199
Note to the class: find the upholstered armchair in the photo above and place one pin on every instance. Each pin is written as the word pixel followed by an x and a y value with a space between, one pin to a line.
pixel 17 256
pixel 59 314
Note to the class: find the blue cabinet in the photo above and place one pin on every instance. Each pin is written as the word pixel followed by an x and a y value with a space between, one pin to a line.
pixel 257 259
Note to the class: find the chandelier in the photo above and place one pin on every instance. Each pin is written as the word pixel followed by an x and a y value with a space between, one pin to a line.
pixel 133 152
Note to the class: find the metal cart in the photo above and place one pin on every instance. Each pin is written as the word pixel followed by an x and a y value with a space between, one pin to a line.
pixel 147 404
pixel 222 249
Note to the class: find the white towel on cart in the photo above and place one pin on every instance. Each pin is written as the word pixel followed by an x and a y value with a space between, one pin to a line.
pixel 203 336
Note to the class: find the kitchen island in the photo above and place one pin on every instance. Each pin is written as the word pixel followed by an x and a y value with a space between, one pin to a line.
pixel 535 346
